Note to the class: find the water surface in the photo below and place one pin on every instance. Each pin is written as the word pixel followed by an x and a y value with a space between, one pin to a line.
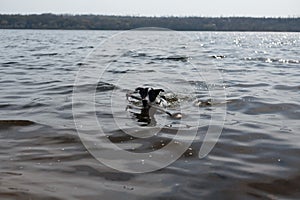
pixel 256 157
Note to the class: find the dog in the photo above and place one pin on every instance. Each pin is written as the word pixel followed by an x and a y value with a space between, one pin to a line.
pixel 150 99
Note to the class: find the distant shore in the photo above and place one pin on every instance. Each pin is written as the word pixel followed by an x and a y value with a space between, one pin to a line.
pixel 110 22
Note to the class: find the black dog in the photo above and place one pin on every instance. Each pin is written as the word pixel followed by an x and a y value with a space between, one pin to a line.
pixel 151 103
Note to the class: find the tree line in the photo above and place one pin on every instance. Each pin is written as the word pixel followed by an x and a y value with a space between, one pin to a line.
pixel 107 22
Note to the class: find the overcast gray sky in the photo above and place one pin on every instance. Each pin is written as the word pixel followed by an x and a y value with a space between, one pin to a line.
pixel 256 8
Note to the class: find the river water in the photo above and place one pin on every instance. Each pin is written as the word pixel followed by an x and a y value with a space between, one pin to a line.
pixel 54 84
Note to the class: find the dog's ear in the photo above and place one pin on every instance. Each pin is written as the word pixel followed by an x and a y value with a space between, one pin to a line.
pixel 141 88
pixel 138 89
pixel 142 91
pixel 157 91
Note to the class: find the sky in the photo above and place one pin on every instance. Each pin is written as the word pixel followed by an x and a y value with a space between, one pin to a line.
pixel 206 8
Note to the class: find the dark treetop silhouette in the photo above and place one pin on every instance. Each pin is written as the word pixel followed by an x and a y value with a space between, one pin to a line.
pixel 105 22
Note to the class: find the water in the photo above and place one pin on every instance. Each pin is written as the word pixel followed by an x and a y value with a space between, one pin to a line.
pixel 43 157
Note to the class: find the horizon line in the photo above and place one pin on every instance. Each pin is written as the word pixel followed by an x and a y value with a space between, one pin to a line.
pixel 154 16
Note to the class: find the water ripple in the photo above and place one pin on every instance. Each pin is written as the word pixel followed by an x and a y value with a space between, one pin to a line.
pixel 256 156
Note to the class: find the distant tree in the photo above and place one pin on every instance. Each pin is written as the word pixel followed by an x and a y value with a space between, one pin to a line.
pixel 107 22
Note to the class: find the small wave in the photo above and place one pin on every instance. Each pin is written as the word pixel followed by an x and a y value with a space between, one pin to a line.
pixel 218 56
pixel 287 87
pixel 271 60
pixel 33 105
pixel 47 82
pixel 7 81
pixel 63 89
pixel 251 85
pixel 10 63
pixel 279 186
pixel 86 47
pixel 45 54
pixel 5 105
pixel 120 71
pixel 173 58
pixel 257 106
pixel 143 145
pixel 80 64
pixel 130 71
pixel 134 54
pixel 11 173
pixel 16 123
pixel 103 86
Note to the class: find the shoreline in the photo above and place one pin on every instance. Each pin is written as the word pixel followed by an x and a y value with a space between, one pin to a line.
pixel 111 22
